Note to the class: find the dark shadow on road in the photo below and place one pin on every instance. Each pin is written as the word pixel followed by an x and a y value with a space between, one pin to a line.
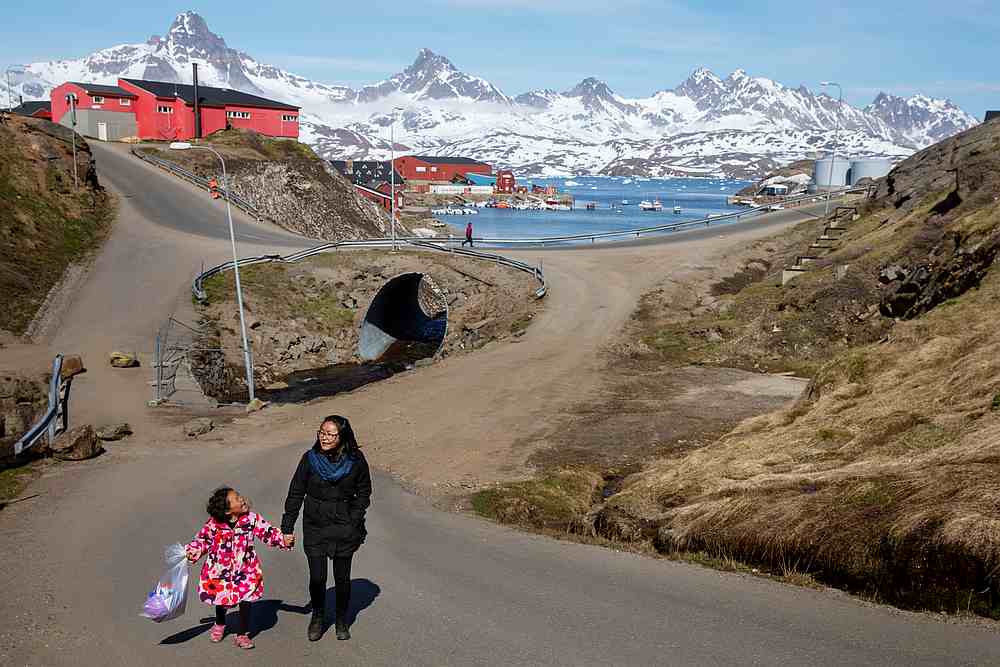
pixel 263 617
pixel 363 594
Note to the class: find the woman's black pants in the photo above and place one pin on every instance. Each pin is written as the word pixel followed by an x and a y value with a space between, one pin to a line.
pixel 341 579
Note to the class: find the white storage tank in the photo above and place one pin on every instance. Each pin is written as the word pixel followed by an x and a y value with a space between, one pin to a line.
pixel 869 168
pixel 831 173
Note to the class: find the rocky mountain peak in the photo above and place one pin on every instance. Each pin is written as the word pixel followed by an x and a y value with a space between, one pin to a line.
pixel 591 88
pixel 428 62
pixel 190 32
pixel 702 86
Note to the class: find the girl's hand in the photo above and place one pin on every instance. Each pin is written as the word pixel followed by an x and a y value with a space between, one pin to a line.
pixel 191 558
pixel 289 540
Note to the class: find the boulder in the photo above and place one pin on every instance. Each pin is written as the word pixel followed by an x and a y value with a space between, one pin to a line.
pixel 111 432
pixel 199 426
pixel 255 405
pixel 72 365
pixel 77 444
pixel 123 360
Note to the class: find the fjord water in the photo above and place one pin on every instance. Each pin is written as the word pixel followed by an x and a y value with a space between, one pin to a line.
pixel 697 198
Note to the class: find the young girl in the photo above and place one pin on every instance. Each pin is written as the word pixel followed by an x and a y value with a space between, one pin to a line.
pixel 232 575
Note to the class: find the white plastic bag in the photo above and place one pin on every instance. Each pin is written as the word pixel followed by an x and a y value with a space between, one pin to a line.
pixel 168 599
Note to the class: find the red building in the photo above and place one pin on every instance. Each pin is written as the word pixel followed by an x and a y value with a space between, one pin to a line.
pixel 379 193
pixel 505 181
pixel 34 110
pixel 424 169
pixel 165 111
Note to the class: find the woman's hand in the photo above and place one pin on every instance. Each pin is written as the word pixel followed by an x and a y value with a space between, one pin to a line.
pixel 289 540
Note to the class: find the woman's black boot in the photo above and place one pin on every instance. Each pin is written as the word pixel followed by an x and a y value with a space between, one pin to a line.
pixel 342 631
pixel 316 626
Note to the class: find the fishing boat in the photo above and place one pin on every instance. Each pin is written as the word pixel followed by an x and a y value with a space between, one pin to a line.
pixel 624 202
pixel 646 205
pixel 677 210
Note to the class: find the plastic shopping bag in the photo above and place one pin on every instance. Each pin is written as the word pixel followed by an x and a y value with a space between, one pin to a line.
pixel 169 598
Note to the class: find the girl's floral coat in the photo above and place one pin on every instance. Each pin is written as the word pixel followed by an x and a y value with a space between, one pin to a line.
pixel 232 572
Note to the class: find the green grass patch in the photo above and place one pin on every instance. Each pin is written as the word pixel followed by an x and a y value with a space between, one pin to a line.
pixel 557 500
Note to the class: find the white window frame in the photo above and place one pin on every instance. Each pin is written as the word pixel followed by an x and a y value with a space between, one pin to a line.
pixel 163 108
pixel 289 118
pixel 97 99
pixel 421 170
pixel 124 102
pixel 434 169
pixel 242 115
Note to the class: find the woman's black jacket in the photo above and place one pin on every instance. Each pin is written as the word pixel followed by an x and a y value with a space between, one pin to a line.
pixel 333 522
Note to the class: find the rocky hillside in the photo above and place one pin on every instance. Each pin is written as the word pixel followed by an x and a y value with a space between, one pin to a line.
pixel 46 222
pixel 883 477
pixel 288 184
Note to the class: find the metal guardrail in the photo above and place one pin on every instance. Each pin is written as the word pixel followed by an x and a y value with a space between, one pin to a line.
pixel 195 179
pixel 536 271
pixel 47 424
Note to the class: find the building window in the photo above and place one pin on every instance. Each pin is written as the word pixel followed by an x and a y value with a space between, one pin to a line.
pixel 124 101
pixel 290 118
pixel 98 99
pixel 164 109
pixel 434 168
pixel 237 114
pixel 421 169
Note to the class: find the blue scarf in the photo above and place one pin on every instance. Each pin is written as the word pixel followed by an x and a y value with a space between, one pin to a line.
pixel 330 472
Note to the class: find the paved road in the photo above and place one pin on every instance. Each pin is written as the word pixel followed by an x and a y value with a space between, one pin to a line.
pixel 433 588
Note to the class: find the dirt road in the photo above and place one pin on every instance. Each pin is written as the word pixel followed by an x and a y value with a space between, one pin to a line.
pixel 432 588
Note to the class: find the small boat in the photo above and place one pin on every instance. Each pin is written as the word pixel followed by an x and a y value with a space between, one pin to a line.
pixel 624 202
pixel 677 210
pixel 645 205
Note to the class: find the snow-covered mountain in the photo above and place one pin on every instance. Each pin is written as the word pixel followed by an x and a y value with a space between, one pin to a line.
pixel 737 126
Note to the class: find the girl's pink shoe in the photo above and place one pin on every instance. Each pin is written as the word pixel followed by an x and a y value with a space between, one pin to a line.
pixel 243 641
pixel 217 632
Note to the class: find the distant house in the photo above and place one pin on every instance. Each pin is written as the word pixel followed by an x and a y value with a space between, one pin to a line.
pixel 475 179
pixel 991 115
pixel 423 169
pixel 379 192
pixel 165 111
pixel 363 172
pixel 41 109
pixel 774 190
pixel 505 181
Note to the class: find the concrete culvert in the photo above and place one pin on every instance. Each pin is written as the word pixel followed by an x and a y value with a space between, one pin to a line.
pixel 407 320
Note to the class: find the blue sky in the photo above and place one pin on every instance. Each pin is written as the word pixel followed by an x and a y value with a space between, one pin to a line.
pixel 943 49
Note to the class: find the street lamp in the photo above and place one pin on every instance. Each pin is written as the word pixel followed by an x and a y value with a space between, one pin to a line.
pixel 392 173
pixel 247 361
pixel 833 160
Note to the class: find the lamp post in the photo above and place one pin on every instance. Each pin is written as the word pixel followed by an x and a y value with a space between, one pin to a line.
pixel 392 174
pixel 247 360
pixel 836 137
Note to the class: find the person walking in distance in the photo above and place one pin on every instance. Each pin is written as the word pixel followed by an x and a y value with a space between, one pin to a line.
pixel 333 480
pixel 468 235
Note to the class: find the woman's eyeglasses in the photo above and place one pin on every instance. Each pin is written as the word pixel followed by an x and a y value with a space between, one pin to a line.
pixel 324 434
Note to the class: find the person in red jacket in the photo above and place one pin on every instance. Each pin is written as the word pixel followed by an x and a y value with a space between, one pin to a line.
pixel 468 235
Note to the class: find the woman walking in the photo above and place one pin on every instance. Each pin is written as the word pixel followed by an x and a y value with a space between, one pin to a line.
pixel 334 481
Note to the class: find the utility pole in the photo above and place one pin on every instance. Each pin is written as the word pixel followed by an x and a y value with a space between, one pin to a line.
pixel 71 98
pixel 836 137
